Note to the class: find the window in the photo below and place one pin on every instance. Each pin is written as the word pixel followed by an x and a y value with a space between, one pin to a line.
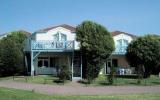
pixel 114 62
pixel 122 42
pixel 63 37
pixel 40 63
pixel 121 45
pixel 125 42
pixel 43 62
pixel 108 63
pixel 56 37
pixel 52 62
pixel 59 37
pixel 119 42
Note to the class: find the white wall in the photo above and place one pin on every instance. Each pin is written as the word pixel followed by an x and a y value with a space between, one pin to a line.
pixel 122 36
pixel 48 36
pixel 72 36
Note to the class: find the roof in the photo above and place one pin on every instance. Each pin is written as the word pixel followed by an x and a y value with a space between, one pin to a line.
pixel 69 27
pixel 114 33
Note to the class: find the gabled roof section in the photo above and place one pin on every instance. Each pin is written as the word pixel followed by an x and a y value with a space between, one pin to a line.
pixel 69 27
pixel 115 33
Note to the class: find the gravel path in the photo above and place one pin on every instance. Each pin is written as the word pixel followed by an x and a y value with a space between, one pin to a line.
pixel 76 89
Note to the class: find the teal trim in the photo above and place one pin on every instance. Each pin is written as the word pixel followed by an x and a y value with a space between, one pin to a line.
pixel 52 45
pixel 120 50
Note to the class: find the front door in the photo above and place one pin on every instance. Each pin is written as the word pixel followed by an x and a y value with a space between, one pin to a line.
pixel 77 67
pixel 77 72
pixel 108 66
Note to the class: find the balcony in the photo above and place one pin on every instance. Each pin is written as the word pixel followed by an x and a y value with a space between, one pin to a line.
pixel 120 50
pixel 52 45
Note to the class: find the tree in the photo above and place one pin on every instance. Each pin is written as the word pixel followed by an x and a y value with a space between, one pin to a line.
pixel 96 45
pixel 11 53
pixel 144 52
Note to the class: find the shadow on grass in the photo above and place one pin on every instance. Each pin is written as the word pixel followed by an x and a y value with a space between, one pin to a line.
pixel 83 82
pixel 100 83
pixel 105 84
pixel 156 83
pixel 58 81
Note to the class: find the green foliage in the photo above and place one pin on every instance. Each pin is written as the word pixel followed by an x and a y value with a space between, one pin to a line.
pixel 145 51
pixel 92 72
pixel 11 54
pixel 64 73
pixel 111 75
pixel 96 44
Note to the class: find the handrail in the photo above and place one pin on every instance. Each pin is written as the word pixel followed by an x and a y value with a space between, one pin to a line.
pixel 52 45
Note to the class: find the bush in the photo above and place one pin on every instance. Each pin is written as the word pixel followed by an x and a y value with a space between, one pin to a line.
pixel 111 75
pixel 64 73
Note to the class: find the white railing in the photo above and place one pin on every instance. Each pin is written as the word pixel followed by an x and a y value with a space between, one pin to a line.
pixel 52 45
pixel 120 50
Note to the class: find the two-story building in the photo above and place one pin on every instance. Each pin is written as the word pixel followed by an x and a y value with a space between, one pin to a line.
pixel 118 59
pixel 49 48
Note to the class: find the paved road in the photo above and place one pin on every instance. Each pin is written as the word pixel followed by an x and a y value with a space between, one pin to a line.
pixel 75 89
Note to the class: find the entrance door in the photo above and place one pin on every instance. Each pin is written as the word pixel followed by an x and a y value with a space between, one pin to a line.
pixel 109 63
pixel 54 64
pixel 77 68
pixel 108 66
pixel 77 72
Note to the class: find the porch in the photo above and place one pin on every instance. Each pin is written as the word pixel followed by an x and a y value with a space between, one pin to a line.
pixel 119 62
pixel 49 63
pixel 45 57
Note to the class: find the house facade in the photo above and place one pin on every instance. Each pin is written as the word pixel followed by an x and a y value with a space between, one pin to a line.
pixel 49 48
pixel 118 59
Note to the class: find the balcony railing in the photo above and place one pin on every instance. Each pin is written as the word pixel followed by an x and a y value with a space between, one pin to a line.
pixel 120 50
pixel 52 45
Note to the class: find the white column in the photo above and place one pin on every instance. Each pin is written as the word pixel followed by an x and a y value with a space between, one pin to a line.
pixel 72 64
pixel 32 64
pixel 26 62
pixel 81 65
pixel 105 68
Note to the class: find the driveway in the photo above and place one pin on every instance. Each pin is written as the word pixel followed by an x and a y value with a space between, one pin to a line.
pixel 76 89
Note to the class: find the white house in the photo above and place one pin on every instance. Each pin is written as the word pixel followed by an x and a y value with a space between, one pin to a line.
pixel 49 48
pixel 118 59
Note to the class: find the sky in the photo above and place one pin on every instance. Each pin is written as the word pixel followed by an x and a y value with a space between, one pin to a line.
pixel 137 17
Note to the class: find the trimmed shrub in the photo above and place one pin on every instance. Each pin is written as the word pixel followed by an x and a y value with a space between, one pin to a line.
pixel 64 73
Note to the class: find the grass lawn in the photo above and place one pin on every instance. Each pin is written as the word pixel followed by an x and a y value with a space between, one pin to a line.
pixel 41 79
pixel 102 81
pixel 14 94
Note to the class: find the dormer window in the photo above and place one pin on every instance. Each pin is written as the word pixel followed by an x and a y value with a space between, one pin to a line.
pixel 59 37
pixel 119 42
pixel 125 42
pixel 122 42
pixel 56 37
pixel 63 37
